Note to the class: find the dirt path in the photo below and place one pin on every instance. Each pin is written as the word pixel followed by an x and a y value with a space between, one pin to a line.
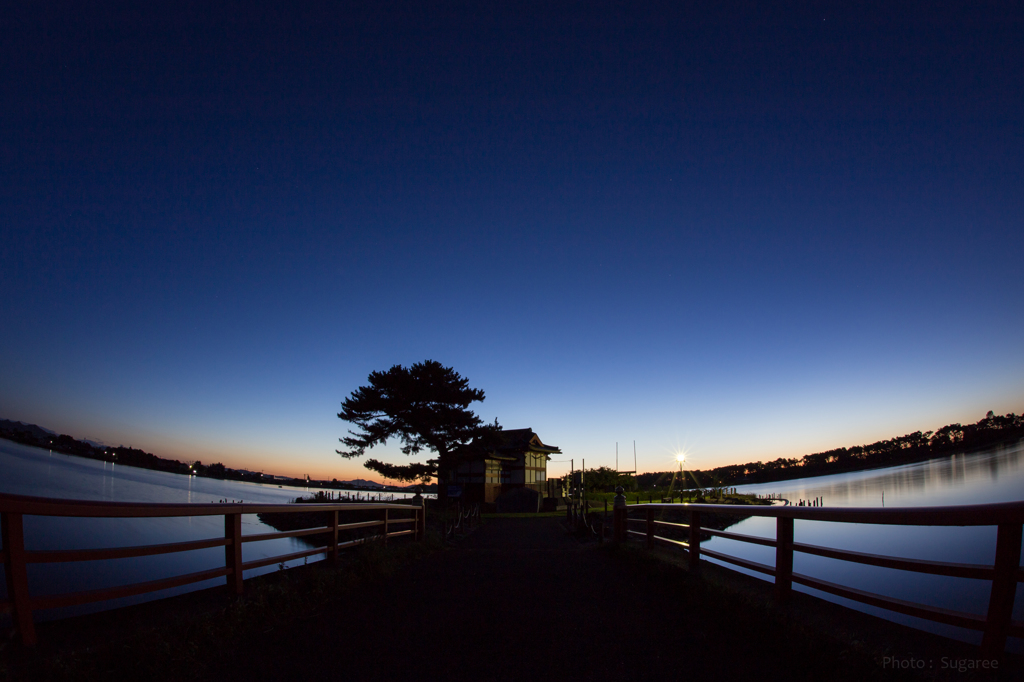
pixel 520 599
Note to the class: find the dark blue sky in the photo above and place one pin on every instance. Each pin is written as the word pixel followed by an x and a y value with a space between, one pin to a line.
pixel 742 230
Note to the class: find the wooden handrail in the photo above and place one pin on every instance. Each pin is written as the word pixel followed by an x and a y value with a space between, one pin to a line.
pixel 398 533
pixel 962 515
pixel 1004 574
pixel 286 534
pixel 752 539
pixel 745 563
pixel 976 571
pixel 65 555
pixel 52 601
pixel 257 563
pixel 933 613
pixel 16 559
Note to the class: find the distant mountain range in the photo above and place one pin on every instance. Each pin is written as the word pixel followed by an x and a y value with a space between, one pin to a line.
pixel 362 483
pixel 41 434
pixel 38 432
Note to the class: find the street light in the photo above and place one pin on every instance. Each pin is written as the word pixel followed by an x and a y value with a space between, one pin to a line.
pixel 681 457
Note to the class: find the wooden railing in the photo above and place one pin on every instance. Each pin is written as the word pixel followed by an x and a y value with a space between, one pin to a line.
pixel 1004 573
pixel 16 558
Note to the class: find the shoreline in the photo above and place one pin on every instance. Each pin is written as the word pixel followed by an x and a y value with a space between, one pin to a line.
pixel 878 467
pixel 182 469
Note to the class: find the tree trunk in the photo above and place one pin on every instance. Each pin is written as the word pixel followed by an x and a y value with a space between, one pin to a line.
pixel 442 489
pixel 443 469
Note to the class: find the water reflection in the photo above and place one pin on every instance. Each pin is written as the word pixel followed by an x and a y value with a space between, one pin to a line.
pixel 995 475
pixel 990 476
pixel 36 472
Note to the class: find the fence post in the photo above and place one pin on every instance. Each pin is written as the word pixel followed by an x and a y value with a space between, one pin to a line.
pixel 604 524
pixel 783 558
pixel 694 547
pixel 233 551
pixel 618 524
pixel 650 529
pixel 619 516
pixel 1004 589
pixel 17 575
pixel 332 523
pixel 420 515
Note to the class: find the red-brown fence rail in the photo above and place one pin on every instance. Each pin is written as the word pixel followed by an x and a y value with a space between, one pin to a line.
pixel 1004 573
pixel 395 520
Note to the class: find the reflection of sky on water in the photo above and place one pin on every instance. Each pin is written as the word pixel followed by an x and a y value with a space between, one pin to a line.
pixel 31 471
pixel 985 477
pixel 990 476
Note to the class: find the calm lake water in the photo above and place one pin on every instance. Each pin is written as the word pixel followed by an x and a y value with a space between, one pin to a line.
pixel 27 470
pixel 995 475
pixel 992 476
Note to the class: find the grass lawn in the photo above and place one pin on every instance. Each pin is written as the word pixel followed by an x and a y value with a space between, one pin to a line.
pixel 641 497
pixel 180 638
pixel 524 515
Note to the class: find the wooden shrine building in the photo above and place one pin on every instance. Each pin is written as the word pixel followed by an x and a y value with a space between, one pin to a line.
pixel 515 472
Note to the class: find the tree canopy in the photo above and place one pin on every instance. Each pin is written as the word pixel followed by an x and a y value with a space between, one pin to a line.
pixel 426 407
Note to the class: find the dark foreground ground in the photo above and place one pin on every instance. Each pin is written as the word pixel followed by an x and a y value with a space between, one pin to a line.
pixel 519 599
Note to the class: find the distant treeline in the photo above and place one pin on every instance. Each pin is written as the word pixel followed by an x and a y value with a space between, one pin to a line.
pixel 30 434
pixel 913 447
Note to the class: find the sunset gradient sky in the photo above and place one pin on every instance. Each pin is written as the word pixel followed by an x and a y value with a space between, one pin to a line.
pixel 741 230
